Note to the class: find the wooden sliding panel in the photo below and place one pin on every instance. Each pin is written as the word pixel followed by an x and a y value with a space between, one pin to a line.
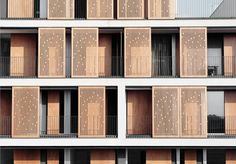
pixel 161 9
pixel 229 55
pixel 105 55
pixel 230 112
pixel 190 157
pixel 193 52
pixel 102 157
pixel 100 9
pixel 53 116
pixel 92 120
pixel 165 112
pixel 5 112
pixel 158 157
pixel 139 111
pixel 25 112
pixel 138 52
pixel 194 112
pixel 26 156
pixel 84 52
pixel 52 156
pixel 61 9
pixel 130 9
pixel 23 55
pixel 20 8
pixel 51 52
pixel 230 156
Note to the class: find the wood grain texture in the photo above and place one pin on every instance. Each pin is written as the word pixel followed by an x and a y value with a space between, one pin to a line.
pixel 102 157
pixel 229 55
pixel 161 9
pixel 53 116
pixel 130 9
pixel 105 55
pixel 139 111
pixel 25 112
pixel 137 52
pixel 23 55
pixel 61 9
pixel 230 156
pixel 20 8
pixel 91 110
pixel 26 156
pixel 158 157
pixel 52 156
pixel 230 112
pixel 190 157
pixel 193 52
pixel 5 112
pixel 100 9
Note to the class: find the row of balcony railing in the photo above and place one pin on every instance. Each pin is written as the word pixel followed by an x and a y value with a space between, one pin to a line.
pixel 165 66
pixel 218 127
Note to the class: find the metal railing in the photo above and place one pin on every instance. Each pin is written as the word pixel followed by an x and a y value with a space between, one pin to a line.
pixel 164 66
pixel 5 126
pixel 139 126
pixel 221 127
pixel 221 66
pixel 18 67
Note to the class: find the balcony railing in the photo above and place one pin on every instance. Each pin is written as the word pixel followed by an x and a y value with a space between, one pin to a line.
pixel 5 126
pixel 221 66
pixel 221 127
pixel 164 66
pixel 139 127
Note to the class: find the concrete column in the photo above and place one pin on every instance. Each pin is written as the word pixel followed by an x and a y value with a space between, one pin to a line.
pixel 204 156
pixel 67 156
pixel 173 55
pixel 177 156
pixel 121 156
pixel 67 112
pixel 43 8
pixel 121 112
pixel 3 8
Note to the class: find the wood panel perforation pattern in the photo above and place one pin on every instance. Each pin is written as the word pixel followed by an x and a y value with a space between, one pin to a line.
pixel 99 9
pixel 161 9
pixel 130 9
pixel 61 9
pixel 193 52
pixel 84 52
pixel 25 112
pixel 193 112
pixel 165 112
pixel 137 52
pixel 51 52
pixel 92 121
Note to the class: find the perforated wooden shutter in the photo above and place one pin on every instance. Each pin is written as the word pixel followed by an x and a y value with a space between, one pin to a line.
pixel 139 120
pixel 230 112
pixel 138 52
pixel 190 157
pixel 92 121
pixel 23 55
pixel 105 55
pixel 5 113
pixel 193 52
pixel 103 157
pixel 51 52
pixel 130 9
pixel 230 156
pixel 158 157
pixel 100 9
pixel 85 52
pixel 230 55
pixel 193 112
pixel 61 9
pixel 165 112
pixel 25 112
pixel 26 156
pixel 53 115
pixel 20 8
pixel 161 9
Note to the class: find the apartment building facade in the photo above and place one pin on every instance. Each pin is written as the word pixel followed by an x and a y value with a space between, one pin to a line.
pixel 117 82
